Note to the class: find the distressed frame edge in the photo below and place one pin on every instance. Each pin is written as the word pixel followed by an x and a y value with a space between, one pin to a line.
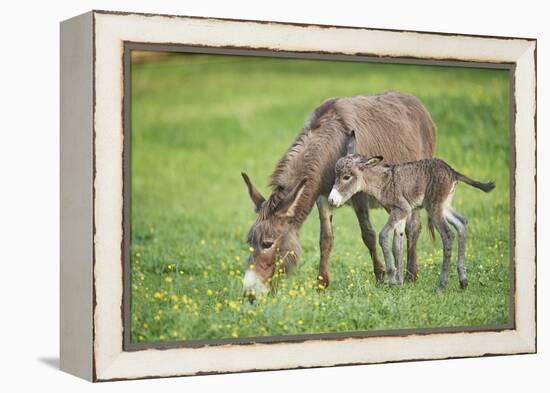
pixel 528 340
pixel 76 196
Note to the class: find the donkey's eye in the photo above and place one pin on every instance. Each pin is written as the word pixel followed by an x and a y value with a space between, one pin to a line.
pixel 346 178
pixel 267 244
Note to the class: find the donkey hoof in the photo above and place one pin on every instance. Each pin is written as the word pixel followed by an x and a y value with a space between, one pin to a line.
pixel 464 283
pixel 410 277
pixel 379 274
pixel 322 282
pixel 439 290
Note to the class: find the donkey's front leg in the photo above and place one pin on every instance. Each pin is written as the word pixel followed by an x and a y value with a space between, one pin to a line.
pixel 396 217
pixel 368 234
pixel 325 241
pixel 398 249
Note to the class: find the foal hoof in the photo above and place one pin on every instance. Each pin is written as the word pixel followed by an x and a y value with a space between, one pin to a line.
pixel 439 290
pixel 464 284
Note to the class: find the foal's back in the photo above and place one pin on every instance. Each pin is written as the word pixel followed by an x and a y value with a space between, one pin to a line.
pixel 425 183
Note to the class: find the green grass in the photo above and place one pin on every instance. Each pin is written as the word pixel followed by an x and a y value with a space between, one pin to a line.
pixel 198 121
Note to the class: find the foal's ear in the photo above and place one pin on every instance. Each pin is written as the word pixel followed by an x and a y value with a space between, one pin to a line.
pixel 352 143
pixel 255 196
pixel 287 207
pixel 367 162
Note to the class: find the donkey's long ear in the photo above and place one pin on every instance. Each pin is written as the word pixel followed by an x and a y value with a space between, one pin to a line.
pixel 257 198
pixel 287 207
pixel 367 162
pixel 352 143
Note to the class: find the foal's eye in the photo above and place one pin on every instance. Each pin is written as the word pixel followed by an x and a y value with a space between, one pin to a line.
pixel 346 178
pixel 267 244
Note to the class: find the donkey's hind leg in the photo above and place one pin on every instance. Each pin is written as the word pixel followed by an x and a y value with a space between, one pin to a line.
pixel 460 224
pixel 412 231
pixel 447 238
pixel 398 249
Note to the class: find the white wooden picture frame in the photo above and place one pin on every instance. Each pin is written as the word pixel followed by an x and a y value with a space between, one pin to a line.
pixel 92 203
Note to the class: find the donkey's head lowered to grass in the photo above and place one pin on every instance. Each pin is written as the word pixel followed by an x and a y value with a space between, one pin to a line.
pixel 273 237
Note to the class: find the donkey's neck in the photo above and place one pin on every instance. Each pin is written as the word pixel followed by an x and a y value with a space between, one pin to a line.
pixel 376 180
pixel 310 157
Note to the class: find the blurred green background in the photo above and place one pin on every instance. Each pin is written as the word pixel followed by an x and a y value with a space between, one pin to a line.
pixel 199 120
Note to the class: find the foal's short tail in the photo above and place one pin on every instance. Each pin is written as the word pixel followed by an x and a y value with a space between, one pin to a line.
pixel 486 187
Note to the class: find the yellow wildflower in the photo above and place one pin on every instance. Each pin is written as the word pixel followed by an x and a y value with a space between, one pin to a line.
pixel 168 279
pixel 209 292
pixel 157 295
pixel 156 317
pixel 234 334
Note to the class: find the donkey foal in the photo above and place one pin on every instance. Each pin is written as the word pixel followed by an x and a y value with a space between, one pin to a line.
pixel 401 189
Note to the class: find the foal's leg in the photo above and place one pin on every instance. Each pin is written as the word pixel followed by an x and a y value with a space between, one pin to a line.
pixel 396 217
pixel 412 230
pixel 325 240
pixel 398 249
pixel 368 234
pixel 460 224
pixel 447 237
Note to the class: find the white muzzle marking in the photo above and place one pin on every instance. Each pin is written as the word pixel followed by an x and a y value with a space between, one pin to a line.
pixel 335 198
pixel 253 284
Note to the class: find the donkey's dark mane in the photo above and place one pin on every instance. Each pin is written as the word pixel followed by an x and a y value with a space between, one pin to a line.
pixel 317 145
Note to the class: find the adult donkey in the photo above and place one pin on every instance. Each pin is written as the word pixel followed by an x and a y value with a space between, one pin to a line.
pixel 394 125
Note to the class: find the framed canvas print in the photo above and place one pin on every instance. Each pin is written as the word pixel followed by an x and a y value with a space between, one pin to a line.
pixel 246 195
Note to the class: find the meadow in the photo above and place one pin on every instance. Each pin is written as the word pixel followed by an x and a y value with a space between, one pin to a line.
pixel 199 120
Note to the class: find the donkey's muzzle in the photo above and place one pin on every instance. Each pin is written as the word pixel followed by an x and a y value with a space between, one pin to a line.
pixel 335 198
pixel 253 285
pixel 249 297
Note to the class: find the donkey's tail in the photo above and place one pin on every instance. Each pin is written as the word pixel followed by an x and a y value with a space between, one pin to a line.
pixel 486 187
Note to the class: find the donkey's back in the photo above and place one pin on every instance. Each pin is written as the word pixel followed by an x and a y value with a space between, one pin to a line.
pixel 392 124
